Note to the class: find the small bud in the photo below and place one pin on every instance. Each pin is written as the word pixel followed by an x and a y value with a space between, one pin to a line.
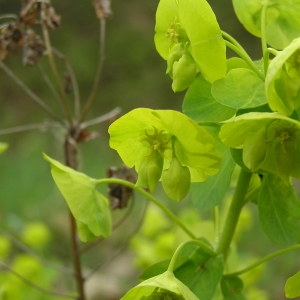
pixel 176 180
pixel 150 171
pixel 184 72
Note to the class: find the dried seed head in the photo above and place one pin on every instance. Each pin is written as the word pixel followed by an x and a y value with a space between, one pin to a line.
pixel 33 48
pixel 49 17
pixel 11 37
pixel 35 11
pixel 103 9
pixel 119 195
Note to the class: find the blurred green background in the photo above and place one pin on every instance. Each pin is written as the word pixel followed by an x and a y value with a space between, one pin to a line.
pixel 133 76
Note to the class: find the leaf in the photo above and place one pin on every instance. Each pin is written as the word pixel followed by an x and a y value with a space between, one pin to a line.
pixel 232 287
pixel 201 106
pixel 279 210
pixel 205 195
pixel 292 286
pixel 202 274
pixel 282 19
pixel 88 206
pixel 240 88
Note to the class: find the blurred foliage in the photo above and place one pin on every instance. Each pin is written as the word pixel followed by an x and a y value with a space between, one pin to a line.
pixel 133 76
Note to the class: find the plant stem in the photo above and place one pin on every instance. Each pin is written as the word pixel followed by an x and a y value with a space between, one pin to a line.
pixel 233 214
pixel 55 71
pixel 97 77
pixel 264 37
pixel 265 259
pixel 28 91
pixel 131 185
pixel 71 161
pixel 235 46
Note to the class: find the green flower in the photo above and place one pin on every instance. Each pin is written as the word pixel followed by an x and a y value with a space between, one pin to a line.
pixel 166 145
pixel 164 286
pixel 188 37
pixel 283 80
pixel 270 142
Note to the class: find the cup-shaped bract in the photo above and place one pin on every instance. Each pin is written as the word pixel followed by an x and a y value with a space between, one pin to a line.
pixel 283 80
pixel 281 19
pixel 190 26
pixel 154 141
pixel 163 286
pixel 270 142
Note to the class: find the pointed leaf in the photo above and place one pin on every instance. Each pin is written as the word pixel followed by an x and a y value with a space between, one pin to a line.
pixel 88 206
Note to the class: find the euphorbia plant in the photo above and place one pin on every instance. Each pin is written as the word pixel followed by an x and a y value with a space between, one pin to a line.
pixel 237 114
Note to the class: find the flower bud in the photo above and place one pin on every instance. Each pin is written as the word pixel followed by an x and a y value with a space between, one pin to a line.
pixel 176 180
pixel 184 72
pixel 150 171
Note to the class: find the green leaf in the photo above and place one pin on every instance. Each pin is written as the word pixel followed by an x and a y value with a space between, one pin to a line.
pixel 240 88
pixel 200 105
pixel 88 206
pixel 205 195
pixel 292 286
pixel 232 287
pixel 3 147
pixel 283 80
pixel 166 283
pixel 202 274
pixel 279 210
pixel 282 19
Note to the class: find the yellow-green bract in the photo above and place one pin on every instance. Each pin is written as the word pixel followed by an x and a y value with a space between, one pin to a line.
pixel 166 282
pixel 167 143
pixel 270 142
pixel 281 19
pixel 283 80
pixel 189 29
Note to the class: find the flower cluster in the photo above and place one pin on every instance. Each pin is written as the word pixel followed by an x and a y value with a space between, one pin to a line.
pixel 188 37
pixel 164 145
pixel 270 142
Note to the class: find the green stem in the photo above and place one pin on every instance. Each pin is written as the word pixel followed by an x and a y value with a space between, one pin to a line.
pixel 265 259
pixel 200 243
pixel 234 211
pixel 264 46
pixel 235 46
pixel 131 185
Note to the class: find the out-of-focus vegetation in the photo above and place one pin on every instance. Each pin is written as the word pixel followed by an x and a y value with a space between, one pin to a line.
pixel 132 77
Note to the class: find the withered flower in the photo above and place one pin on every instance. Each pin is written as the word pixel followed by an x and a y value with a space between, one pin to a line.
pixel 103 9
pixel 11 37
pixel 33 48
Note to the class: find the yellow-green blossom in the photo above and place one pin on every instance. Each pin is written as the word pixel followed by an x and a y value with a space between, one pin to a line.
pixel 166 145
